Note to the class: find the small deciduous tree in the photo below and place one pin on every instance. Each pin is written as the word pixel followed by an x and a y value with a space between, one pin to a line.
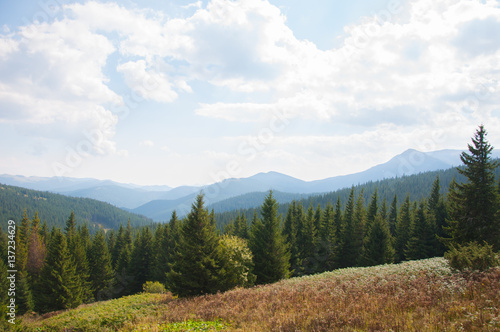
pixel 237 262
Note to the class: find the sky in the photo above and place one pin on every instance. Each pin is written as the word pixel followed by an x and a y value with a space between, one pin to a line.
pixel 161 92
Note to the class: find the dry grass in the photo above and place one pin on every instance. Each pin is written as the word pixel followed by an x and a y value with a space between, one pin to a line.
pixel 414 296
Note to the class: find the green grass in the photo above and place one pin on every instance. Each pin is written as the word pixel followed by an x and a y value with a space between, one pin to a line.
pixel 413 296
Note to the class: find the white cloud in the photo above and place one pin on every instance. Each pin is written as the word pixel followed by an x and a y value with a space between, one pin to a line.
pixel 52 84
pixel 393 80
pixel 147 83
pixel 147 143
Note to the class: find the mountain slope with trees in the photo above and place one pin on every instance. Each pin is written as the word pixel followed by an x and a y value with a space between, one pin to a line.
pixel 54 209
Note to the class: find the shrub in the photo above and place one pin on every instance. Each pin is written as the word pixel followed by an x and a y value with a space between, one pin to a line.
pixel 154 287
pixel 472 257
pixel 238 263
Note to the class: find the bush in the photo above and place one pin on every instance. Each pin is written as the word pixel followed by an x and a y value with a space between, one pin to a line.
pixel 237 261
pixel 154 287
pixel 472 257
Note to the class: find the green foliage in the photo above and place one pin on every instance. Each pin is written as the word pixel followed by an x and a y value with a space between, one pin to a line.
pixel 101 272
pixel 237 262
pixel 197 260
pixel 378 247
pixel 422 240
pixel 54 208
pixel 475 203
pixel 403 230
pixel 154 287
pixel 57 286
pixel 105 316
pixel 472 257
pixel 268 244
pixel 141 260
pixel 189 325
pixel 24 296
pixel 4 287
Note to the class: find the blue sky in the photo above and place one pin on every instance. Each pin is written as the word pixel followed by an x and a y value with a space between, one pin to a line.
pixel 179 92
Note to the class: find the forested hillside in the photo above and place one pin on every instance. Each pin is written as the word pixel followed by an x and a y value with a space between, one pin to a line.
pixel 61 268
pixel 416 186
pixel 55 209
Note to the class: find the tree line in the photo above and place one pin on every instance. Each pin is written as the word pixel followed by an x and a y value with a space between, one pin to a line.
pixel 53 209
pixel 62 268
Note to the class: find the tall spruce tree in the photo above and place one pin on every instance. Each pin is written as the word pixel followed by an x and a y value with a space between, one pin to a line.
pixel 290 232
pixel 359 222
pixel 141 260
pixel 403 229
pixel 347 255
pixel 476 201
pixel 327 240
pixel 4 289
pixel 393 215
pixel 24 296
pixel 58 283
pixel 437 214
pixel 268 245
pixel 101 272
pixel 421 242
pixel 197 259
pixel 306 241
pixel 378 247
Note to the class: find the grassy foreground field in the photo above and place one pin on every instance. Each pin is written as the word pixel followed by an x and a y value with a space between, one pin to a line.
pixel 413 296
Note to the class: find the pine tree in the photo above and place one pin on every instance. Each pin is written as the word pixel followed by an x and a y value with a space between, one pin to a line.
pixel 24 296
pixel 372 209
pixel 326 243
pixel 101 272
pixel 290 232
pixel 22 239
pixel 436 209
pixel 141 260
pixel 4 289
pixel 421 240
pixel 476 201
pixel 306 241
pixel 378 247
pixel 337 220
pixel 393 215
pixel 123 250
pixel 117 247
pixel 158 260
pixel 197 262
pixel 70 228
pixel 402 230
pixel 78 255
pixel 58 283
pixel 359 224
pixel 267 242
pixel 347 249
pixel 241 227
pixel 383 211
pixel 171 238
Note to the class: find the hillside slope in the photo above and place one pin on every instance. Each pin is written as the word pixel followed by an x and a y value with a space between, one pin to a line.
pixel 55 209
pixel 412 296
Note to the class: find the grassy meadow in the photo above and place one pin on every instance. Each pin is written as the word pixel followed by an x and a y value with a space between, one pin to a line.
pixel 413 296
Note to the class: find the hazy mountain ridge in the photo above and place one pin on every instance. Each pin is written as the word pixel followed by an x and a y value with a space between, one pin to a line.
pixel 159 204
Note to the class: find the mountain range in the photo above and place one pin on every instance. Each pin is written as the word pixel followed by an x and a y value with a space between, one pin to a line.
pixel 158 202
